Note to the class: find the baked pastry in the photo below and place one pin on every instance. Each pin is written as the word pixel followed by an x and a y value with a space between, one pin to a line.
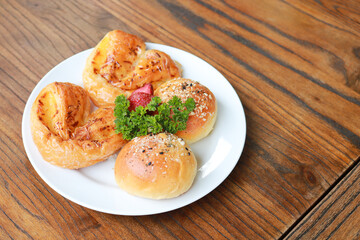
pixel 119 64
pixel 201 121
pixel 156 166
pixel 65 132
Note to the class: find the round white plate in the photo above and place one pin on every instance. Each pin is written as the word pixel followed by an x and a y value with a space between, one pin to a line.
pixel 95 187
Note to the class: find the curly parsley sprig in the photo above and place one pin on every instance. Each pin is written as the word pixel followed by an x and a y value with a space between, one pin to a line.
pixel 170 117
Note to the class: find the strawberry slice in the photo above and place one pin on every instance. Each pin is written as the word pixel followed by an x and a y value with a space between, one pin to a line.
pixel 139 99
pixel 141 96
pixel 147 88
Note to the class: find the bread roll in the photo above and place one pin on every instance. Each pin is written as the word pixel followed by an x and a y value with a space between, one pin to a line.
pixel 65 132
pixel 119 64
pixel 156 166
pixel 201 121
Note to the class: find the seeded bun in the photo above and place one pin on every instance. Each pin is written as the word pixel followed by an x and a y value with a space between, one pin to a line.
pixel 156 166
pixel 201 121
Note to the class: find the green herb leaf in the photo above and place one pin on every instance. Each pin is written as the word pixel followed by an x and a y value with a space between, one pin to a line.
pixel 171 116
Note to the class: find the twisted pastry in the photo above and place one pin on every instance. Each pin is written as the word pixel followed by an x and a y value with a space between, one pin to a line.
pixel 119 65
pixel 65 132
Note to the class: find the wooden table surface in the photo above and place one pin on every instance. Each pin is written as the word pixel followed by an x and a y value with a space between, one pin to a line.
pixel 295 65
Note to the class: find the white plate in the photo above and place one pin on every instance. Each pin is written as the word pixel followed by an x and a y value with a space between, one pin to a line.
pixel 95 187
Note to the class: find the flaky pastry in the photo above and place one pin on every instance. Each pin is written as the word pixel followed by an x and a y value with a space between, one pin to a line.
pixel 65 132
pixel 119 64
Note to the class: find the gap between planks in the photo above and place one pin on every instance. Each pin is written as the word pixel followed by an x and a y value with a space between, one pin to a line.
pixel 332 186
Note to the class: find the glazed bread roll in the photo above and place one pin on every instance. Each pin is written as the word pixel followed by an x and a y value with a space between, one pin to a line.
pixel 201 121
pixel 120 64
pixel 156 166
pixel 65 132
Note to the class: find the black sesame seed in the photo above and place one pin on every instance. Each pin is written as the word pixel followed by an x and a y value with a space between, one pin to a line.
pixel 143 150
pixel 186 149
pixel 198 91
pixel 161 152
pixel 189 153
pixel 149 163
pixel 183 87
pixel 190 84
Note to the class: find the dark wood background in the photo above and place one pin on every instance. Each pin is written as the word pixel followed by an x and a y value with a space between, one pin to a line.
pixel 296 68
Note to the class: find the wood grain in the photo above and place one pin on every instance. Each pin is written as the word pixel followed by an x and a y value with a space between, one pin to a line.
pixel 294 64
pixel 337 216
pixel 337 14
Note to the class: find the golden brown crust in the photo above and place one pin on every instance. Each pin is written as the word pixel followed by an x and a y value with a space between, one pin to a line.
pixel 65 132
pixel 201 121
pixel 156 166
pixel 120 64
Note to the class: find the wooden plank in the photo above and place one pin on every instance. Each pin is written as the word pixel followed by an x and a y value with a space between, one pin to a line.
pixel 337 14
pixel 302 117
pixel 337 216
pixel 340 12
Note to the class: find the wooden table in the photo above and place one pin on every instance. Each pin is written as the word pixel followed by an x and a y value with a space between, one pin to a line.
pixel 296 68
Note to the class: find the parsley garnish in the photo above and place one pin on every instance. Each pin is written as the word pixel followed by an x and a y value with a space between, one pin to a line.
pixel 170 117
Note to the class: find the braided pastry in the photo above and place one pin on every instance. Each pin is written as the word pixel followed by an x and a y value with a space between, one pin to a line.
pixel 119 64
pixel 65 132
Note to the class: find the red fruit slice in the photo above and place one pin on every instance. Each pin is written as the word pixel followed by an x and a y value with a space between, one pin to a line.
pixel 147 88
pixel 139 99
